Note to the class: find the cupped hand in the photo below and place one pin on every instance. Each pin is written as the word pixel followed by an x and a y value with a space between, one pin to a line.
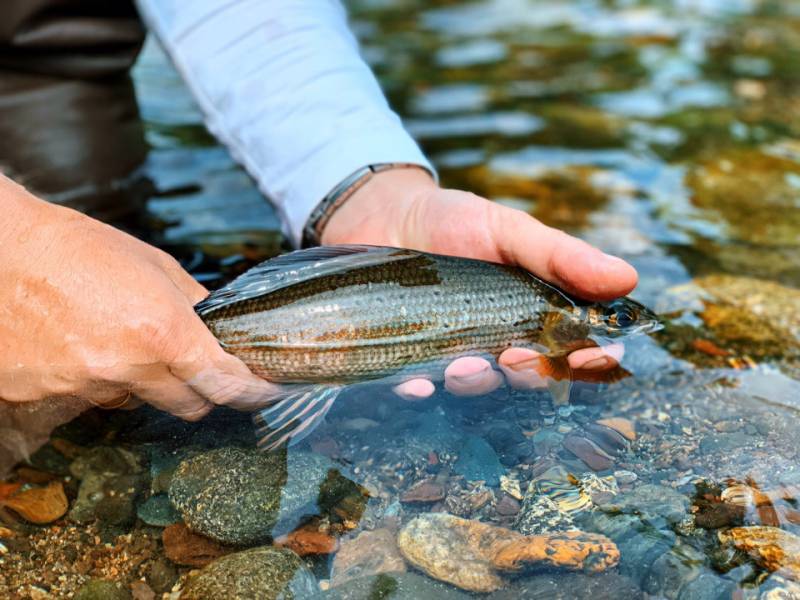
pixel 87 311
pixel 405 208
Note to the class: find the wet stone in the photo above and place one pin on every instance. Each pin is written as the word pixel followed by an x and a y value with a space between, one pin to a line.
pixel 609 439
pixel 772 548
pixel 243 497
pixel 707 586
pixel 266 573
pixel 589 452
pixel 183 547
pixel 475 556
pixel 370 553
pixel 546 440
pixel 670 571
pixel 639 543
pixel 720 443
pixel 158 511
pixel 101 589
pixel 507 506
pixel 395 586
pixel 570 586
pixel 161 575
pixel 651 502
pixel 423 492
pixel 477 461
pixel 539 514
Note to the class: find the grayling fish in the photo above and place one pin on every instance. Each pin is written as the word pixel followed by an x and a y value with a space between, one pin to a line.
pixel 321 319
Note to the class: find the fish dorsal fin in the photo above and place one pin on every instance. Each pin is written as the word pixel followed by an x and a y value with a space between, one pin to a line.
pixel 293 417
pixel 288 269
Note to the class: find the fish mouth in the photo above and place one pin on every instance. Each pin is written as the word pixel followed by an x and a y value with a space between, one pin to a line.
pixel 651 327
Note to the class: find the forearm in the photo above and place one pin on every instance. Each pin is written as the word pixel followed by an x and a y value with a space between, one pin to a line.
pixel 283 86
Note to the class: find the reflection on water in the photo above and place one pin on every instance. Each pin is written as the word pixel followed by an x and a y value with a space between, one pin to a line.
pixel 662 131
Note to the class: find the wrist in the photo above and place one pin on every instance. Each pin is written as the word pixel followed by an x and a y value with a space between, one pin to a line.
pixel 375 213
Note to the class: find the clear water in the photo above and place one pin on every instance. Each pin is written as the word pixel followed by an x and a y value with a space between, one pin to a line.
pixel 667 132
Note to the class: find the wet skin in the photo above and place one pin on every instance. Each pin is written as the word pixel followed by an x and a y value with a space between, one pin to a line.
pixel 405 208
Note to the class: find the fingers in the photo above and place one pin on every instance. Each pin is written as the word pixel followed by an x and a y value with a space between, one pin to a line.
pixel 174 396
pixel 522 368
pixel 471 376
pixel 559 258
pixel 226 381
pixel 597 359
pixel 188 286
pixel 415 389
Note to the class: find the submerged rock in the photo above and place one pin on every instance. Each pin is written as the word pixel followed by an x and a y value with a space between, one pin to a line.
pixel 477 461
pixel 265 573
pixel 370 553
pixel 422 492
pixel 111 481
pixel 772 548
pixel 474 555
pixel 244 497
pixel 571 586
pixel 101 589
pixel 394 586
pixel 183 547
pixel 39 505
pixel 158 511
pixel 309 540
pixel 539 514
pixel 651 502
pixel 589 452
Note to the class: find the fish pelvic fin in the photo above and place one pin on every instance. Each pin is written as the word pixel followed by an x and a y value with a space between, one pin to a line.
pixel 293 417
pixel 558 375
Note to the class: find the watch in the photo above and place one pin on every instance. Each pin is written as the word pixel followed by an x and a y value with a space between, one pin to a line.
pixel 312 232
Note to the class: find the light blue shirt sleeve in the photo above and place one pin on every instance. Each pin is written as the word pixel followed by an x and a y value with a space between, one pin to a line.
pixel 282 85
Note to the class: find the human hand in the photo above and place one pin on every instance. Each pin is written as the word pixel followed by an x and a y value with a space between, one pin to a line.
pixel 405 208
pixel 89 312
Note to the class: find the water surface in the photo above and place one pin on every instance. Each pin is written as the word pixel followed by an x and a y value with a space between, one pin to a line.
pixel 667 132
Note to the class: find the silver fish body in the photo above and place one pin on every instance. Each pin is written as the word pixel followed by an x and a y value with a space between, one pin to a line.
pixel 339 315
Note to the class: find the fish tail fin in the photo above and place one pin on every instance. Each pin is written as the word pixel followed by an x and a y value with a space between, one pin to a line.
pixel 292 418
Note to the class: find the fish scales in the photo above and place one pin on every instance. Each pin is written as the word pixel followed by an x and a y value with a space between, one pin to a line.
pixel 328 317
pixel 401 317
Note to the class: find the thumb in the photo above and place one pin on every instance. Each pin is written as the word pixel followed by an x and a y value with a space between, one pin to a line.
pixel 560 258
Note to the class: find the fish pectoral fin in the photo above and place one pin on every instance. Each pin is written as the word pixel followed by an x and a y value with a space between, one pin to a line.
pixel 618 373
pixel 293 417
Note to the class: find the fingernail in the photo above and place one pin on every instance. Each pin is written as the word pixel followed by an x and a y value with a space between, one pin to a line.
pixel 597 363
pixel 472 378
pixel 528 364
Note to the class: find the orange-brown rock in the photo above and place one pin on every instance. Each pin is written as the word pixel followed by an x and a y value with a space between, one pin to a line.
pixel 29 475
pixel 621 425
pixel 474 555
pixel 309 540
pixel 67 448
pixel 772 548
pixel 40 505
pixel 184 547
pixel 424 491
pixel 5 532
pixel 8 489
pixel 369 553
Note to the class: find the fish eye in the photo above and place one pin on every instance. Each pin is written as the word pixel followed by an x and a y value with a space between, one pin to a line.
pixel 624 318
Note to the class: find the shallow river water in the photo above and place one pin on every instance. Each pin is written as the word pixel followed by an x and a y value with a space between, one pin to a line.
pixel 667 132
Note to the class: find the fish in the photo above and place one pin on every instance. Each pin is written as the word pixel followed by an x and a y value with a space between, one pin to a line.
pixel 322 319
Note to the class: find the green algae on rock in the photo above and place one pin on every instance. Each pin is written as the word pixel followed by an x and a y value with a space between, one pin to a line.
pixel 245 497
pixel 102 589
pixel 266 573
